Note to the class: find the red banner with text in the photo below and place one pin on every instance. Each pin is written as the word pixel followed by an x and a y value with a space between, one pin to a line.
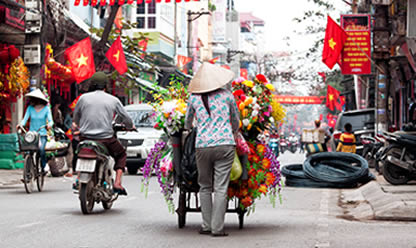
pixel 357 50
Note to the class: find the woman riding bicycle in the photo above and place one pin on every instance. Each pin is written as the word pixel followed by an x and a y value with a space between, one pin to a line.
pixel 40 115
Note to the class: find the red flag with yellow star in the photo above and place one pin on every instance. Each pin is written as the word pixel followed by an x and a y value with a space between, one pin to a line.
pixel 81 60
pixel 332 96
pixel 335 38
pixel 116 56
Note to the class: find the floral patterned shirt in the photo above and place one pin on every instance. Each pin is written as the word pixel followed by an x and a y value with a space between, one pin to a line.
pixel 218 128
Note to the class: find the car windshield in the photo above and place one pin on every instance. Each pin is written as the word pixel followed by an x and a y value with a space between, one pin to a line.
pixel 142 118
pixel 359 121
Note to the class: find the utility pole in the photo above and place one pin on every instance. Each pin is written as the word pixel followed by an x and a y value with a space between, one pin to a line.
pixel 190 20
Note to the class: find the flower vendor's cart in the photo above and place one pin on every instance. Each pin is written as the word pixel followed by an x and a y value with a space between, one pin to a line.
pixel 261 170
pixel 188 184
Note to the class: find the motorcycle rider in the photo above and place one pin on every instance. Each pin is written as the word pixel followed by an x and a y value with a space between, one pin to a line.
pixel 94 115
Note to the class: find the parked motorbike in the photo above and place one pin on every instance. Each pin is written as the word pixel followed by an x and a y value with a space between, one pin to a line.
pixel 372 149
pixel 96 177
pixel 399 157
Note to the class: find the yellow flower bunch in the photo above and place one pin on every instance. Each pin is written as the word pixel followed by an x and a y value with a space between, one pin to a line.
pixel 278 112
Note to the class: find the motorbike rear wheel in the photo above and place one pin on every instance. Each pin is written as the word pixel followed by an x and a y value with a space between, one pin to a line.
pixel 393 173
pixel 86 198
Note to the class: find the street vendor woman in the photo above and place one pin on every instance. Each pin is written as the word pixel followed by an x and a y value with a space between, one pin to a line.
pixel 217 121
pixel 40 116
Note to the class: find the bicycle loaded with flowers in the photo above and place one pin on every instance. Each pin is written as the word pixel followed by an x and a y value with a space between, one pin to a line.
pixel 258 109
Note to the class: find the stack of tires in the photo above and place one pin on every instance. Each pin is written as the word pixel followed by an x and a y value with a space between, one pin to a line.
pixel 9 148
pixel 329 170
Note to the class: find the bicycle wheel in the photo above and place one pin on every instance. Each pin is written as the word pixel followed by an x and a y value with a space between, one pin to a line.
pixel 28 173
pixel 40 177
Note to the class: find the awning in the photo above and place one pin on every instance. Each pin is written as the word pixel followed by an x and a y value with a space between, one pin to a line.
pixel 121 2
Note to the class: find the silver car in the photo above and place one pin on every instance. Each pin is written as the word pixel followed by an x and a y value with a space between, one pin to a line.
pixel 139 143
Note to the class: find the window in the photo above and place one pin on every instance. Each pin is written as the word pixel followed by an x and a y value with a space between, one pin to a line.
pixel 141 8
pixel 151 8
pixel 151 22
pixel 146 17
pixel 140 22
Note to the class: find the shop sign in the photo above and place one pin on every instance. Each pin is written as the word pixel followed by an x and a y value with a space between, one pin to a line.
pixel 146 76
pixel 14 18
pixel 300 99
pixel 357 50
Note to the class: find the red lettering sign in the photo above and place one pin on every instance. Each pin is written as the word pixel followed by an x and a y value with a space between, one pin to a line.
pixel 300 99
pixel 357 50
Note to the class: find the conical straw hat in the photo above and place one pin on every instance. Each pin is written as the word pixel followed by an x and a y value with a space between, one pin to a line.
pixel 37 94
pixel 210 77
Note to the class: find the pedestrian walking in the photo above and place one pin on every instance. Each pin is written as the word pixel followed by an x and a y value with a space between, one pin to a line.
pixel 216 116
pixel 347 142
pixel 39 115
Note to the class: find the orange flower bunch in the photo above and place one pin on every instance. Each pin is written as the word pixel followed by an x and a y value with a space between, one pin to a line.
pixel 263 176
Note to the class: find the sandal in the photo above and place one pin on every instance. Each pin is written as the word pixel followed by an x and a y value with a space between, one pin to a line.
pixel 202 231
pixel 221 234
pixel 119 191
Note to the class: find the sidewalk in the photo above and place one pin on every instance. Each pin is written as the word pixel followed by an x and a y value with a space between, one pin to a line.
pixel 10 177
pixel 379 200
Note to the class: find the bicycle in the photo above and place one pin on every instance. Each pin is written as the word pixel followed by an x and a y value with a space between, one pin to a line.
pixel 32 170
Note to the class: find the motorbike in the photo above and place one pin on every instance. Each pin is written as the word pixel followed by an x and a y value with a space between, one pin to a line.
pixel 372 148
pixel 283 145
pixel 96 177
pixel 293 146
pixel 274 145
pixel 399 157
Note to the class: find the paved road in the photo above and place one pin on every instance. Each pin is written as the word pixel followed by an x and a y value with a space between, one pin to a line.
pixel 307 218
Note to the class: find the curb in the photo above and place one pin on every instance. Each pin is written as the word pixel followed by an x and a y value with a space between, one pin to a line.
pixel 384 205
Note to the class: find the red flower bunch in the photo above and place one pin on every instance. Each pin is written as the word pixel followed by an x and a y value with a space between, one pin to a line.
pixel 261 78
pixel 261 178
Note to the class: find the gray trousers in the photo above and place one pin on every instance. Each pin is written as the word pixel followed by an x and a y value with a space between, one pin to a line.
pixel 214 167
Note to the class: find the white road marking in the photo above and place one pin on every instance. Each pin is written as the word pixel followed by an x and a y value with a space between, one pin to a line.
pixel 322 224
pixel 31 224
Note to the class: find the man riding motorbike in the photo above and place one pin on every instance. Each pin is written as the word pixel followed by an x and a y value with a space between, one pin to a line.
pixel 94 115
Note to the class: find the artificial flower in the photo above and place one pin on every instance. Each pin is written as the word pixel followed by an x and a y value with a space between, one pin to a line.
pixel 263 189
pixel 238 93
pixel 246 122
pixel 248 83
pixel 270 87
pixel 261 148
pixel 247 201
pixel 261 78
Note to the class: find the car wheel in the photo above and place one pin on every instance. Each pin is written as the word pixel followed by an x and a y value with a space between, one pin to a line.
pixel 132 170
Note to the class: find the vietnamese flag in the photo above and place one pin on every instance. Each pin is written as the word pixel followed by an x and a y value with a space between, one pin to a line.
pixel 81 59
pixel 244 73
pixel 335 38
pixel 116 56
pixel 332 96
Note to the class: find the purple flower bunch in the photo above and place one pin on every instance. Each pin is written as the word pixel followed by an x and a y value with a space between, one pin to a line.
pixel 165 179
pixel 276 186
pixel 153 158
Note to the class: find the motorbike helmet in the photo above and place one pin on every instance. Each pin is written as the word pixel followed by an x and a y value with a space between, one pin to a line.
pixel 99 81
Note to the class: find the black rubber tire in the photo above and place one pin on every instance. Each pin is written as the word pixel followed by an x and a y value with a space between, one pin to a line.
pixel 293 170
pixel 392 173
pixel 85 198
pixel 40 177
pixel 338 161
pixel 28 173
pixel 132 170
pixel 309 183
